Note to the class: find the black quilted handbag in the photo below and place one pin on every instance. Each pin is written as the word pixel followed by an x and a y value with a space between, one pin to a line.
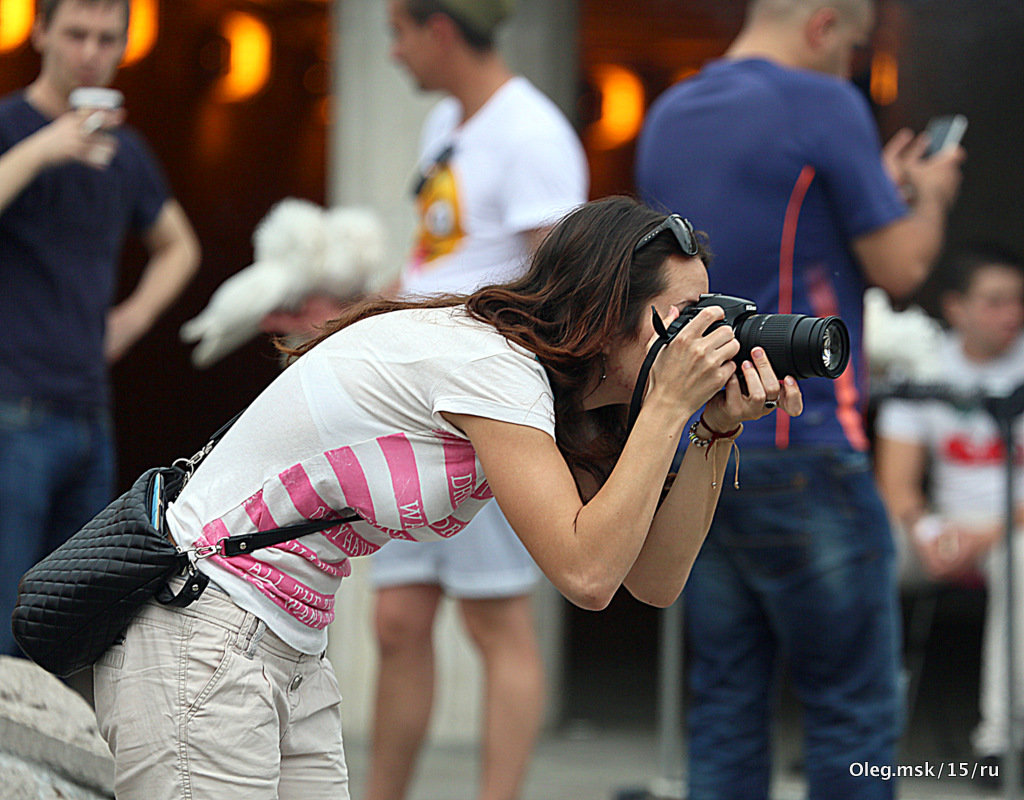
pixel 79 599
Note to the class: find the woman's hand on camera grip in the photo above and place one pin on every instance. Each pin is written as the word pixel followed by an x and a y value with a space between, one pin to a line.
pixel 696 364
pixel 731 406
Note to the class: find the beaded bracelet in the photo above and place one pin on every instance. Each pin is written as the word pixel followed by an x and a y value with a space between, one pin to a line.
pixel 700 441
pixel 716 436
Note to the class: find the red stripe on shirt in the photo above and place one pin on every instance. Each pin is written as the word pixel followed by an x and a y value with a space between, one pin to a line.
pixel 787 249
pixel 824 303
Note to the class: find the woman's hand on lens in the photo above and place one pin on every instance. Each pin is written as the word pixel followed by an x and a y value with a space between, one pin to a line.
pixel 697 365
pixel 765 392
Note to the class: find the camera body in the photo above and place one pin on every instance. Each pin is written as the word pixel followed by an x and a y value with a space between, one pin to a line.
pixel 736 309
pixel 796 344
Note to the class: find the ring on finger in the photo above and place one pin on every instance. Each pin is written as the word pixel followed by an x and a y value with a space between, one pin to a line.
pixel 771 403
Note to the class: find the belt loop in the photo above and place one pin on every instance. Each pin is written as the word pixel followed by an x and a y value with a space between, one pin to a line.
pixel 250 632
pixel 242 633
pixel 255 637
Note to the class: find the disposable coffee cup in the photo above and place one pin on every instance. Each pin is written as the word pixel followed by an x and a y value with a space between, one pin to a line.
pixel 101 101
pixel 97 97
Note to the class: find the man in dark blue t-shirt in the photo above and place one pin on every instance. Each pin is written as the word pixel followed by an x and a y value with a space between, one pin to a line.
pixel 73 183
pixel 775 155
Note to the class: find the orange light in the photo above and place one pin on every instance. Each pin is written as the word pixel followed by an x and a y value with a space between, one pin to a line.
pixel 143 27
pixel 16 18
pixel 622 106
pixel 250 47
pixel 885 78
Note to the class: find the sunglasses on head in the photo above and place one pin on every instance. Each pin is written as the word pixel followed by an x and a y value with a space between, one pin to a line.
pixel 680 228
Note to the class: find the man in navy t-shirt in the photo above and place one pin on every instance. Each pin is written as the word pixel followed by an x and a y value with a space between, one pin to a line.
pixel 73 183
pixel 775 155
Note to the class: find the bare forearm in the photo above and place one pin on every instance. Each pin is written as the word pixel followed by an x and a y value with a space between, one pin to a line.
pixel 63 140
pixel 163 279
pixel 680 526
pixel 899 256
pixel 906 506
pixel 922 234
pixel 899 469
pixel 617 522
pixel 19 166
pixel 173 261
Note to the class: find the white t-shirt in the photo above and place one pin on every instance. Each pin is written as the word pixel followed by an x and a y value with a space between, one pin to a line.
pixel 514 166
pixel 356 424
pixel 967 455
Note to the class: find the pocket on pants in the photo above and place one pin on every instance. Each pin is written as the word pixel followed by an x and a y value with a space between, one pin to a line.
pixel 135 683
pixel 229 709
pixel 207 658
pixel 105 674
pixel 322 695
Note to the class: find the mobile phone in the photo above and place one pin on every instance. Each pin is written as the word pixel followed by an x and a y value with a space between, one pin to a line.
pixel 156 502
pixel 945 132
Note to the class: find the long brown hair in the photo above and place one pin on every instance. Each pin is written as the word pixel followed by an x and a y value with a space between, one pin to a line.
pixel 584 289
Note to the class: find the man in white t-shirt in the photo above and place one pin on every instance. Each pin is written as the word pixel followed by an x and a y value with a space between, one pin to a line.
pixel 960 516
pixel 499 164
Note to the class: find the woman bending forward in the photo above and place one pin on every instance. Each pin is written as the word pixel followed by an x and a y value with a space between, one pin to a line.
pixel 413 415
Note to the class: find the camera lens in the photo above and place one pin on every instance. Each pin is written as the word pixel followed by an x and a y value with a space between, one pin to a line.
pixel 833 348
pixel 797 345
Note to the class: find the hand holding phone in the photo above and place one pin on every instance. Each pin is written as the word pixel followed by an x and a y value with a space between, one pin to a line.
pixel 944 132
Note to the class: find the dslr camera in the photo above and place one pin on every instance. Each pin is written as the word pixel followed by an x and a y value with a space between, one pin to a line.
pixel 797 345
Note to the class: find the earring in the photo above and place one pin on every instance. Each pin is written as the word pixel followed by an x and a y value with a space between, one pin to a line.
pixel 604 370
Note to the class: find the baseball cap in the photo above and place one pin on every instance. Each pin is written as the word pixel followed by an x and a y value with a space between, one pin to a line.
pixel 483 16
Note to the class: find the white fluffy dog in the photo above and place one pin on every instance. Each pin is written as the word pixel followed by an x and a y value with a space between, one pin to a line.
pixel 300 249
pixel 900 345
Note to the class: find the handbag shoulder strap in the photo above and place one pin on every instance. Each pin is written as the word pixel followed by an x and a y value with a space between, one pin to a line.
pixel 188 465
pixel 247 543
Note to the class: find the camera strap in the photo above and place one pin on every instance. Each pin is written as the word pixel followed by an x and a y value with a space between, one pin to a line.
pixel 665 335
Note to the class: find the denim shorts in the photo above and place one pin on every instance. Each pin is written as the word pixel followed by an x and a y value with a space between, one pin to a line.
pixel 484 561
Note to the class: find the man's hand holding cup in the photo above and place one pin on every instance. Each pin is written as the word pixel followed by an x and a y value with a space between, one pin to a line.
pixel 97 110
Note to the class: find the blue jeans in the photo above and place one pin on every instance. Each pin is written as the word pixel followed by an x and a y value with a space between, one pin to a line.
pixel 799 567
pixel 56 473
